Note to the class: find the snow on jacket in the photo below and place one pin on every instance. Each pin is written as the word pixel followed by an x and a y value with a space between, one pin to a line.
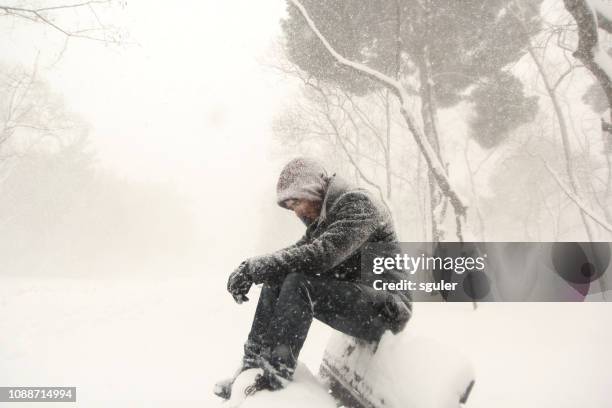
pixel 350 218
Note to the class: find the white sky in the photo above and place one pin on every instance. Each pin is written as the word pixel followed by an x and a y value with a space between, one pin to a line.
pixel 191 103
pixel 191 95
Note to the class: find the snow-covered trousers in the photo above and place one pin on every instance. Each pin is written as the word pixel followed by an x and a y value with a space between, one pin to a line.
pixel 285 311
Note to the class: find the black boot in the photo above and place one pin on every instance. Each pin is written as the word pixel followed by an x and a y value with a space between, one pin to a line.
pixel 266 381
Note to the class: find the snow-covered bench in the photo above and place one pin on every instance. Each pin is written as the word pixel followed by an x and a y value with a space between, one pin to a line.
pixel 402 371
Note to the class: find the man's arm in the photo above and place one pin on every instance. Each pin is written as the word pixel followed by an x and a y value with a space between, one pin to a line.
pixel 240 281
pixel 352 220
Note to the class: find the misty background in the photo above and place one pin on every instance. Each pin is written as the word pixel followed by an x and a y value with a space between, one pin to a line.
pixel 140 144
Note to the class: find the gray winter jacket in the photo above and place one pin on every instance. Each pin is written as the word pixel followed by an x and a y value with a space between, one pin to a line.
pixel 350 218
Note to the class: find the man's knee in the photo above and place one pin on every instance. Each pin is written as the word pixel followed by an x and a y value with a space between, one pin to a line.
pixel 293 281
pixel 297 283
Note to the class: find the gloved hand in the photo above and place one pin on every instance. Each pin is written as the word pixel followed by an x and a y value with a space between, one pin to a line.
pixel 240 282
pixel 396 313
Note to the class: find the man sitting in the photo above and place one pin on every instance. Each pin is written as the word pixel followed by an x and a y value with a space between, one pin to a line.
pixel 318 277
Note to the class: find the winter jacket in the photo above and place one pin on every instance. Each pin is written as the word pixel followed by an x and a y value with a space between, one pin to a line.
pixel 350 218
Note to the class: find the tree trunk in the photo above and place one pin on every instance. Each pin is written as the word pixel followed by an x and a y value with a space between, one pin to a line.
pixel 564 137
pixel 387 149
pixel 430 128
pixel 588 44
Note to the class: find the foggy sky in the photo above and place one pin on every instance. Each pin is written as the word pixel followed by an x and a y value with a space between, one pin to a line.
pixel 186 98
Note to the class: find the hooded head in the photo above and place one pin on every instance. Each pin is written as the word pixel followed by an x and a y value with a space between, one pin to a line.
pixel 302 181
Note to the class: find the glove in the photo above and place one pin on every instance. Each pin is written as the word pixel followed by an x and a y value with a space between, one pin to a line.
pixel 396 313
pixel 239 283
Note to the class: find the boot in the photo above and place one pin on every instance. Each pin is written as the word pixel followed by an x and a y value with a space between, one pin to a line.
pixel 278 370
pixel 266 381
pixel 251 359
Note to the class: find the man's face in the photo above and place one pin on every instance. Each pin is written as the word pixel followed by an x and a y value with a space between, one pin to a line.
pixel 306 210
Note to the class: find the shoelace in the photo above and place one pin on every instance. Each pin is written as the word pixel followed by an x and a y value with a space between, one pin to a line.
pixel 257 385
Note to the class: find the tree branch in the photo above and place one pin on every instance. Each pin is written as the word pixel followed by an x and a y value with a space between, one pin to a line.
pixel 396 88
pixel 577 200
pixel 37 15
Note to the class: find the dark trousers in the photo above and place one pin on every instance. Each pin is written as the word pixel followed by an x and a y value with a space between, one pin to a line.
pixel 286 309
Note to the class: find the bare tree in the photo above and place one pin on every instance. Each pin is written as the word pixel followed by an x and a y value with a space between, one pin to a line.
pixel 363 132
pixel 551 91
pixel 436 167
pixel 72 20
pixel 31 114
pixel 579 202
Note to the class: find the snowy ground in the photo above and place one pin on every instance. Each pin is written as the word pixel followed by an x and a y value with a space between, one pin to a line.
pixel 156 342
pixel 304 391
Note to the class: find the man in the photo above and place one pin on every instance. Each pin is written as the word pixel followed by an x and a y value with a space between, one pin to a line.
pixel 318 277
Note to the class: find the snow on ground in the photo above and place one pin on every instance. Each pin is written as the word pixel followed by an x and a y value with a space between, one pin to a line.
pixel 529 354
pixel 304 392
pixel 163 342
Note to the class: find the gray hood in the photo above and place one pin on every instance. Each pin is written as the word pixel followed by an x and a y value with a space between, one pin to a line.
pixel 301 178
